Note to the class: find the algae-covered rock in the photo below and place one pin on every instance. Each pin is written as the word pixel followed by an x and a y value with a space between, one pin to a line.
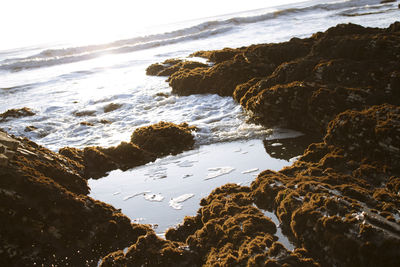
pixel 147 143
pixel 346 67
pixel 16 113
pixel 170 66
pixel 151 250
pixel 164 138
pixel 46 218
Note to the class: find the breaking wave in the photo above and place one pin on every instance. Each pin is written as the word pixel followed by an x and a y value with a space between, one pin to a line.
pixel 51 57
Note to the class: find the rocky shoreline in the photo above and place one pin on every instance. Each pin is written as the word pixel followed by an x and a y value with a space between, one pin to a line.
pixel 339 203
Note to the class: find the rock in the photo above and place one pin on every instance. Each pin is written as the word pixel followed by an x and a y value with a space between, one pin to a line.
pixel 97 161
pixel 46 217
pixel 164 138
pixel 2 148
pixel 8 142
pixel 218 56
pixel 16 113
pixel 171 66
pixel 111 107
pixel 30 128
pixel 347 66
pixel 86 123
pixel 147 143
pixel 84 113
pixel 150 250
pixel 339 202
pixel 3 160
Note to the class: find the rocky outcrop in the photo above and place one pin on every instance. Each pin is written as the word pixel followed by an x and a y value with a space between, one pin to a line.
pixel 164 138
pixel 46 218
pixel 170 66
pixel 303 83
pixel 147 143
pixel 150 250
pixel 97 161
pixel 338 205
pixel 16 113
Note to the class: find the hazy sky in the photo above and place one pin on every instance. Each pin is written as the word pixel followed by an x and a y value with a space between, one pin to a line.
pixel 26 22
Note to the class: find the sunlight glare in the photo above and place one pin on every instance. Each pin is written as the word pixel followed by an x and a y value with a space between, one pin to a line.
pixel 26 22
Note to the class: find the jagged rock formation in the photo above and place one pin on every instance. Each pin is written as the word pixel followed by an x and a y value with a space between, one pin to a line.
pixel 339 202
pixel 147 144
pixel 46 217
pixel 303 83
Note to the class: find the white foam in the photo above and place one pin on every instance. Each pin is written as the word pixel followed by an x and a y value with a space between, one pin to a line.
pixel 219 171
pixel 153 197
pixel 158 172
pixel 250 170
pixel 186 163
pixel 276 144
pixel 135 195
pixel 175 203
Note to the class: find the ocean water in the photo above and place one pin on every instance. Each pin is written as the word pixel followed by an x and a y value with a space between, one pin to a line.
pixel 57 81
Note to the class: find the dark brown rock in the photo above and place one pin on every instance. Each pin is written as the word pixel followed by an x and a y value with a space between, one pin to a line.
pixel 16 113
pixel 164 138
pixel 147 143
pixel 346 67
pixel 97 161
pixel 84 113
pixel 111 107
pixel 171 66
pixel 150 250
pixel 339 202
pixel 46 219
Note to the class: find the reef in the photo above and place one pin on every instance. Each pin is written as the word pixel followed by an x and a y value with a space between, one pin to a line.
pixel 339 203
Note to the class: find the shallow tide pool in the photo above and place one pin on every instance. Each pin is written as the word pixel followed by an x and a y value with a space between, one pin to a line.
pixel 163 192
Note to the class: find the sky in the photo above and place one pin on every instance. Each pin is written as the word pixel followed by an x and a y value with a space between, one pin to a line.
pixel 29 22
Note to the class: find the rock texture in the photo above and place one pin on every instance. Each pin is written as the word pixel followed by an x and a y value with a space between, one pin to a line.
pixel 339 203
pixel 164 138
pixel 46 219
pixel 303 83
pixel 147 143
pixel 16 113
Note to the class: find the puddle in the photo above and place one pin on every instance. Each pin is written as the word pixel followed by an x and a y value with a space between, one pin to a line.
pixel 290 146
pixel 281 237
pixel 165 191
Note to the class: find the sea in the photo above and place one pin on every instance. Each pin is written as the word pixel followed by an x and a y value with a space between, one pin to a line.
pixel 62 81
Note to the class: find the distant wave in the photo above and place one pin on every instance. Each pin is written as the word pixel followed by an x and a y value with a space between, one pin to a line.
pixel 51 57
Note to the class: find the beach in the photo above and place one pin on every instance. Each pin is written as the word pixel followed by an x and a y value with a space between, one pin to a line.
pixel 226 142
